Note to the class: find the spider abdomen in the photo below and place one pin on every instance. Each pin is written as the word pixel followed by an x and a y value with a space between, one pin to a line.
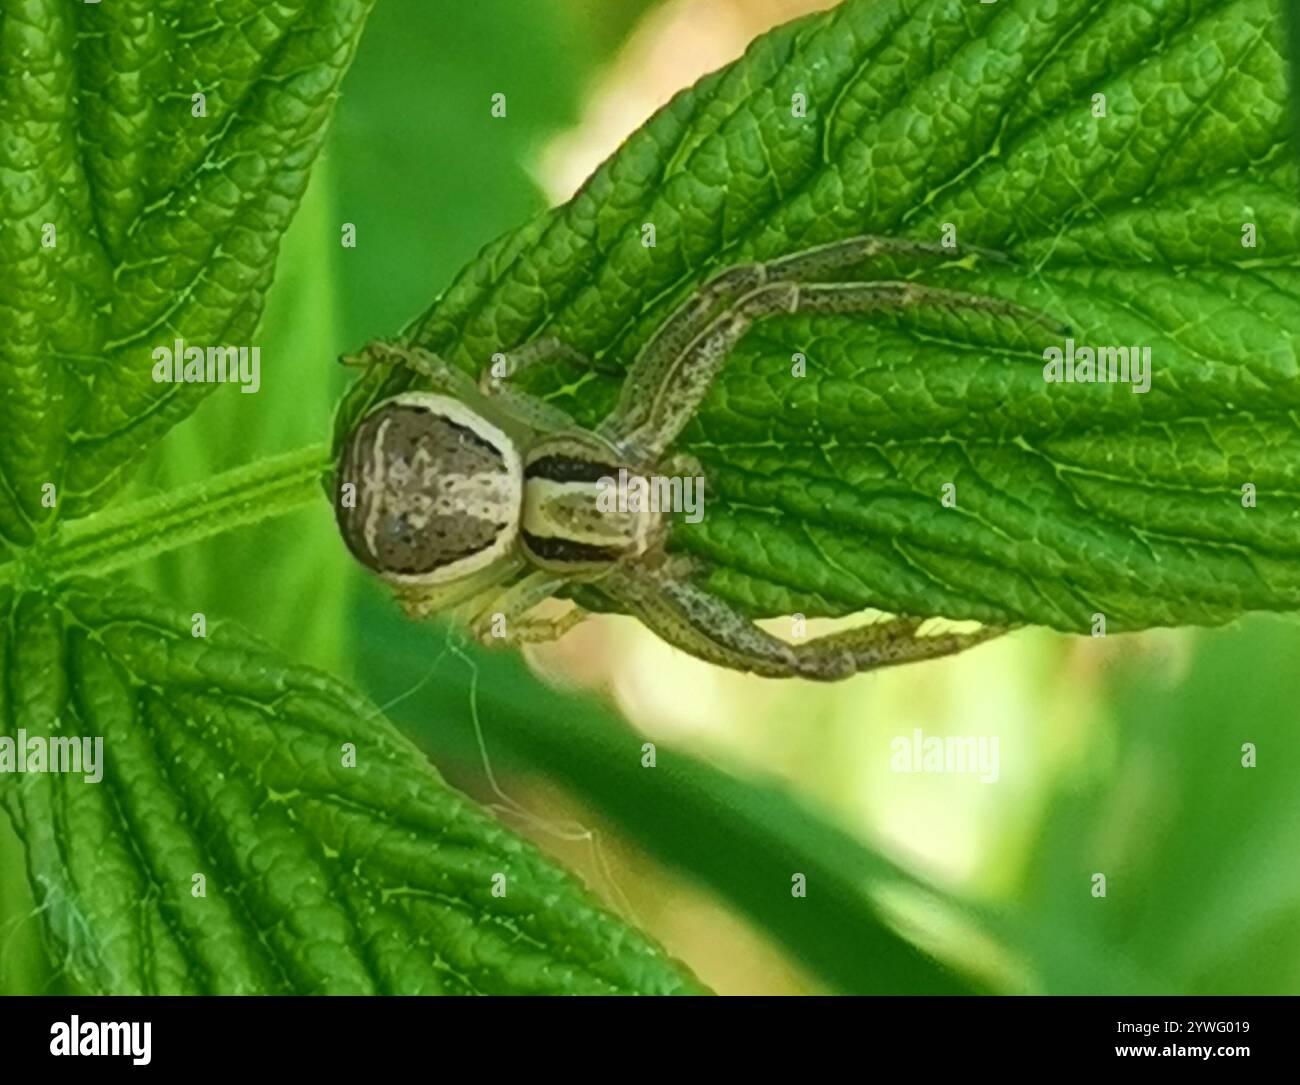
pixel 437 490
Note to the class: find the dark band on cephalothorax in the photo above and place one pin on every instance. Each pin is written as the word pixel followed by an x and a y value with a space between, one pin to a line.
pixel 566 550
pixel 560 468
pixel 420 454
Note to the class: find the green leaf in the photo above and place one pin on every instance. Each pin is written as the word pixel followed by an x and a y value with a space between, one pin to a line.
pixel 742 838
pixel 1292 17
pixel 225 760
pixel 1072 499
pixel 120 537
pixel 297 552
pixel 1203 894
pixel 165 225
pixel 221 759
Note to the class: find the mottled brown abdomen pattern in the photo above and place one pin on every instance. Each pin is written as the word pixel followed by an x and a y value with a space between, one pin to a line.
pixel 430 492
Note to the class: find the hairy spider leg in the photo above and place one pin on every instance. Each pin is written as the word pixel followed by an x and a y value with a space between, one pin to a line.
pixel 668 406
pixel 443 376
pixel 706 626
pixel 513 605
pixel 529 355
pixel 535 413
pixel 675 335
pixel 541 415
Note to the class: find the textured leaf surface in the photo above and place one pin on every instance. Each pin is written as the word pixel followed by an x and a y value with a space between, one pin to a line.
pixel 165 225
pixel 222 760
pixel 1071 499
pixel 742 837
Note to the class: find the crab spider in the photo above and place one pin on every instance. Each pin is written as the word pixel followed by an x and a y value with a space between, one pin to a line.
pixel 477 499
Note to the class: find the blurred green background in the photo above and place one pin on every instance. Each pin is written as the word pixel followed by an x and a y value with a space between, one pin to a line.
pixel 1119 756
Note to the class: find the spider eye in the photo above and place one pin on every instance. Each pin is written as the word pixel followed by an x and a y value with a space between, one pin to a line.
pixel 427 490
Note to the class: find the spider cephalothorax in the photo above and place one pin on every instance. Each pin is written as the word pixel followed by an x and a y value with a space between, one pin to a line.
pixel 478 498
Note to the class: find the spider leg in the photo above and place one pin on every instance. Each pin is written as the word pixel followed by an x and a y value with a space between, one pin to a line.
pixel 682 465
pixel 533 412
pixel 422 601
pixel 700 623
pixel 694 315
pixel 508 612
pixel 534 630
pixel 441 375
pixel 527 356
pixel 664 410
pixel 537 413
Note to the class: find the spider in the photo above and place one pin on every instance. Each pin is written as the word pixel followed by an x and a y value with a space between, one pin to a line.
pixel 477 499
